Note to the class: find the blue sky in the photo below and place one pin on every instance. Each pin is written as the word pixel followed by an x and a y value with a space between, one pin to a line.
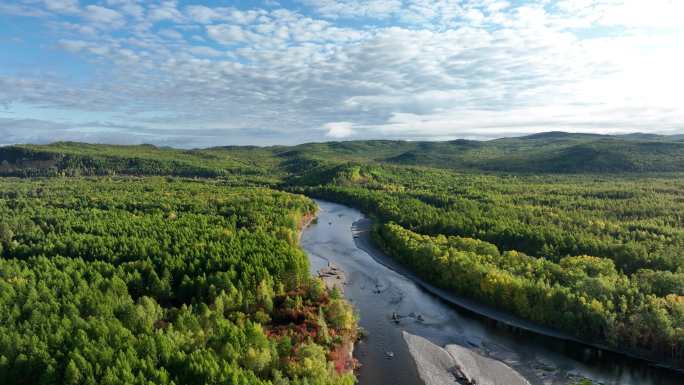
pixel 205 73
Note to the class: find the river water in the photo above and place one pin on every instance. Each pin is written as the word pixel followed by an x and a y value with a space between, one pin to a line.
pixel 377 292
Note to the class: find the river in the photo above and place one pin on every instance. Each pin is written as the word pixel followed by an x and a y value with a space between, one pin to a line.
pixel 377 292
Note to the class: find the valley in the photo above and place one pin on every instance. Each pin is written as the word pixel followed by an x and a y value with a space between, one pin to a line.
pixel 580 236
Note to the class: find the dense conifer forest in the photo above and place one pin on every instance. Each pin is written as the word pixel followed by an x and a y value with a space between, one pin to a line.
pixel 140 281
pixel 138 264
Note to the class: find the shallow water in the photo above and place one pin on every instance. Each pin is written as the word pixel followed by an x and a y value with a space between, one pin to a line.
pixel 377 292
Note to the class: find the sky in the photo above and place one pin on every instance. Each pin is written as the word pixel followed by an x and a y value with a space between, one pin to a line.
pixel 208 73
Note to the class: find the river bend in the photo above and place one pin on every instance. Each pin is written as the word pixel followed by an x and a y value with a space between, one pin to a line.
pixel 379 292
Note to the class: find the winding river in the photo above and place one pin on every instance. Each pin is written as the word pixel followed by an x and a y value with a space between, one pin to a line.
pixel 377 291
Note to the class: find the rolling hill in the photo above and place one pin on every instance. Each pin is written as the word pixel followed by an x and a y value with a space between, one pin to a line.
pixel 550 152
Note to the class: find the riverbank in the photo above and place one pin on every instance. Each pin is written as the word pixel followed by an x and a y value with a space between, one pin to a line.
pixel 304 222
pixel 362 237
pixel 456 364
pixel 333 277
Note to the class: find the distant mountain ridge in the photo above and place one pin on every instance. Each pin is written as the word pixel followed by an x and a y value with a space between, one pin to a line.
pixel 547 152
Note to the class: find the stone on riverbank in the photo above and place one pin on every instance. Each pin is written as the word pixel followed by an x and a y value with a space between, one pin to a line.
pixel 333 277
pixel 458 365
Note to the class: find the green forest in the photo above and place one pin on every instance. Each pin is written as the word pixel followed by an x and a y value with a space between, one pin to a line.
pixel 156 281
pixel 545 153
pixel 140 264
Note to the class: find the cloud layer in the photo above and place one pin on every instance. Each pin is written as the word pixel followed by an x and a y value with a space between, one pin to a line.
pixel 199 75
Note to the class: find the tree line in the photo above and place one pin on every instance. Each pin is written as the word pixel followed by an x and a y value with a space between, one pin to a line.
pixel 582 295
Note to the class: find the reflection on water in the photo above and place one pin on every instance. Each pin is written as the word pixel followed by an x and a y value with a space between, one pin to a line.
pixel 388 303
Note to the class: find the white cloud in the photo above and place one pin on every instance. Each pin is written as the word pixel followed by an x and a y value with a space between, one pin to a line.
pixel 339 130
pixel 355 8
pixel 639 13
pixel 244 17
pixel 202 14
pixel 82 29
pixel 497 6
pixel 128 7
pixel 205 51
pixel 170 34
pixel 73 46
pixel 428 69
pixel 103 17
pixel 22 10
pixel 166 10
pixel 64 6
pixel 227 34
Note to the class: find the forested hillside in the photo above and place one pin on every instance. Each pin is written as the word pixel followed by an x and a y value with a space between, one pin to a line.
pixel 581 233
pixel 139 281
pixel 76 159
pixel 553 152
